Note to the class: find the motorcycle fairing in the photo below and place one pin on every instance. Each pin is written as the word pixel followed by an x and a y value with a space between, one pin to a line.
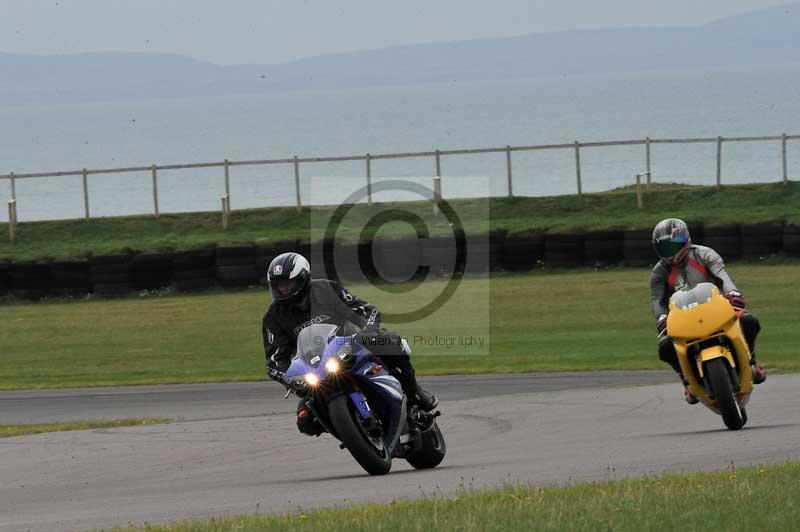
pixel 697 316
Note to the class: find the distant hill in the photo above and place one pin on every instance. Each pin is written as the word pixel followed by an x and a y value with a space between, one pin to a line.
pixel 769 36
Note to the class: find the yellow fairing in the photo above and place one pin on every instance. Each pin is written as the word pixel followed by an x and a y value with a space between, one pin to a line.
pixel 700 321
pixel 716 317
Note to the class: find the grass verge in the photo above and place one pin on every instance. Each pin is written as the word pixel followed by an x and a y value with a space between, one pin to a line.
pixel 615 209
pixel 539 321
pixel 9 431
pixel 753 498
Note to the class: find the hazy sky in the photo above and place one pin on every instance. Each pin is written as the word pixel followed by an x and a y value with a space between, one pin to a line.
pixel 271 31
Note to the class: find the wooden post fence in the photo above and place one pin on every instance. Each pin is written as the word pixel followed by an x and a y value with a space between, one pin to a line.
pixel 370 157
pixel 639 203
pixel 578 167
pixel 155 190
pixel 783 159
pixel 297 183
pixel 437 184
pixel 12 219
pixel 369 180
pixel 227 166
pixel 639 196
pixel 508 171
pixel 226 211
pixel 647 161
pixel 85 175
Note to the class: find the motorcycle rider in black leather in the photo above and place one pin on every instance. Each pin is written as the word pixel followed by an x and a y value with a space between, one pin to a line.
pixel 685 265
pixel 298 301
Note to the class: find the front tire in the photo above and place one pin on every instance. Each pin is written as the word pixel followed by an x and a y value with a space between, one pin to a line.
pixel 432 451
pixel 347 424
pixel 732 414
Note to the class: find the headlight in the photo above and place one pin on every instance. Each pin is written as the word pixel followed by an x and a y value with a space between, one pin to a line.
pixel 331 366
pixel 312 379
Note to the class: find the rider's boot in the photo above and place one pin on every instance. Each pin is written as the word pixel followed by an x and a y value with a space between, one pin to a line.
pixel 759 373
pixel 687 392
pixel 306 422
pixel 689 396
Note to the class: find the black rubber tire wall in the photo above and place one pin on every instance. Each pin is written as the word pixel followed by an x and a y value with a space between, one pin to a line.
pixel 394 260
pixel 440 254
pixel 236 266
pixel 152 270
pixel 761 240
pixel 563 250
pixel 71 278
pixel 523 251
pixel 4 268
pixel 194 270
pixel 112 275
pixel 791 240
pixel 603 248
pixel 637 248
pixel 724 239
pixel 29 280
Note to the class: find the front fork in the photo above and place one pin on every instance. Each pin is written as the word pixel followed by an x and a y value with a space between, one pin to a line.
pixel 358 399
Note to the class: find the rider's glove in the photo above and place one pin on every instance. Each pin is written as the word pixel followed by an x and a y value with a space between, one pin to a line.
pixel 276 369
pixel 661 324
pixel 276 375
pixel 736 299
pixel 368 335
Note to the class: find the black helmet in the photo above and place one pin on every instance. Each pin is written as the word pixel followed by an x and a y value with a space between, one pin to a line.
pixel 288 276
pixel 671 239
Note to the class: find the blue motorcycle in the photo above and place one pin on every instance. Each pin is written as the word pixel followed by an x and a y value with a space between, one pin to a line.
pixel 359 402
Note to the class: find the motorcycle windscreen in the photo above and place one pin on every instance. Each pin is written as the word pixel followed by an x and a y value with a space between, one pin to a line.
pixel 686 299
pixel 312 340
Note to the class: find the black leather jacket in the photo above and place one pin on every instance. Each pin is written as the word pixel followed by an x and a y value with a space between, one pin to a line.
pixel 325 302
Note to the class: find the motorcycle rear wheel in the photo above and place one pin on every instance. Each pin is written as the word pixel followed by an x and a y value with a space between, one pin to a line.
pixel 347 424
pixel 733 416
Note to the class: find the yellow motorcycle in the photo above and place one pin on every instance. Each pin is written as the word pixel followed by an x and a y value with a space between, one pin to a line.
pixel 712 351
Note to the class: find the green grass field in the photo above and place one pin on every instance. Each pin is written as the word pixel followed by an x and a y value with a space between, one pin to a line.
pixel 754 498
pixel 9 431
pixel 616 209
pixel 541 321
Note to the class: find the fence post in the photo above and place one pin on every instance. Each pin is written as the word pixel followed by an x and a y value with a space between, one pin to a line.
pixel 226 210
pixel 13 186
pixel 647 161
pixel 227 165
pixel 783 157
pixel 437 184
pixel 719 162
pixel 86 213
pixel 369 180
pixel 12 219
pixel 297 182
pixel 578 167
pixel 638 191
pixel 155 190
pixel 508 171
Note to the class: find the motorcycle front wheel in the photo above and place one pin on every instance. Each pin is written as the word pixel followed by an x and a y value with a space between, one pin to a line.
pixel 733 416
pixel 368 450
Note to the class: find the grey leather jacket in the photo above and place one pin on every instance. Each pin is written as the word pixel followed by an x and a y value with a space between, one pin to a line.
pixel 702 265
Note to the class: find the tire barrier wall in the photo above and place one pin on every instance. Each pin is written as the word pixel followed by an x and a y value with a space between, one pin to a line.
pixel 390 260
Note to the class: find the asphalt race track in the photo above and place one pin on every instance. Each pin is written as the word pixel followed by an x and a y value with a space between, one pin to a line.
pixel 234 448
